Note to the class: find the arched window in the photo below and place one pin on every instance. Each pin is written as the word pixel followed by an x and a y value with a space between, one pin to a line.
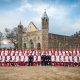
pixel 38 46
pixel 46 20
pixel 31 44
pixel 24 45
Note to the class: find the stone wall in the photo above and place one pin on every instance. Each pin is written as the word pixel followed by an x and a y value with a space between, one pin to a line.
pixel 63 42
pixel 44 38
pixel 58 41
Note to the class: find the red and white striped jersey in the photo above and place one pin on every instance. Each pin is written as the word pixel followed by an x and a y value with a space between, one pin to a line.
pixel 12 52
pixel 57 59
pixel 6 52
pixel 63 52
pixel 52 58
pixel 35 57
pixel 2 53
pixel 17 58
pixel 66 59
pixel 0 58
pixel 75 58
pixel 26 58
pixel 8 58
pixel 22 58
pixel 3 58
pixel 56 53
pixel 60 53
pixel 13 58
pixel 70 58
pixel 62 59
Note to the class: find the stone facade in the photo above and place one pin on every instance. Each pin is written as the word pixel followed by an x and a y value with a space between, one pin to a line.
pixel 32 40
pixel 40 39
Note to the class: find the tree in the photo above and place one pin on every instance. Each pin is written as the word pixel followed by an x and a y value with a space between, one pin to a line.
pixel 11 34
pixel 1 37
pixel 77 34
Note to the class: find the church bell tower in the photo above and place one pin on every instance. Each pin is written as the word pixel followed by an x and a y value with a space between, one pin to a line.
pixel 20 33
pixel 45 29
pixel 45 21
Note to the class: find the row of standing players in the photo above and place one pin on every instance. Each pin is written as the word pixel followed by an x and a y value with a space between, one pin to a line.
pixel 46 58
pixel 43 60
pixel 41 52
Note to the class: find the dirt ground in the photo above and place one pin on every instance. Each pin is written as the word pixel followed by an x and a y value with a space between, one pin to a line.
pixel 39 73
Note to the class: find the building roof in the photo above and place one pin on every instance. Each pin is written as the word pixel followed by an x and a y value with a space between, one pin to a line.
pixel 57 35
pixel 31 27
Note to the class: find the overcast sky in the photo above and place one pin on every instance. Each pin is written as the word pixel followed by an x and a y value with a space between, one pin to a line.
pixel 64 15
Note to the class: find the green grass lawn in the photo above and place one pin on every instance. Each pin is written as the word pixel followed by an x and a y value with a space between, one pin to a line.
pixel 39 73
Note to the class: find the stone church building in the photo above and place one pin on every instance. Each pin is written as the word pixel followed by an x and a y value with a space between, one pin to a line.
pixel 33 38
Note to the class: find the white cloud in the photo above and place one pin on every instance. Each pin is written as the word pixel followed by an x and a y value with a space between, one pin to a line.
pixel 10 19
pixel 67 27
pixel 60 23
pixel 22 8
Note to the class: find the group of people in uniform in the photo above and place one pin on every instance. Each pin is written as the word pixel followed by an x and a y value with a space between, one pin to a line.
pixel 50 57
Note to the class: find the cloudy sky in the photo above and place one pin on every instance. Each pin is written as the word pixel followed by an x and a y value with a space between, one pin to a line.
pixel 64 15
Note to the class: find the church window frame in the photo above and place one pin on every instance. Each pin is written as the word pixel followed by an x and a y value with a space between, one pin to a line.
pixel 46 20
pixel 25 45
pixel 20 27
pixel 38 46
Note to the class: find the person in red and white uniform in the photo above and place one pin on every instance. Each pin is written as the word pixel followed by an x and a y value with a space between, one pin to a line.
pixel 70 52
pixel 50 52
pixel 39 58
pixel 25 52
pixel 20 52
pixel 66 60
pixel 16 52
pixel 56 52
pixel 62 60
pixel 63 52
pixel 57 60
pixel 8 58
pixel 60 53
pixel 35 58
pixel 42 53
pixel 78 52
pixel 74 52
pixel 52 59
pixel 0 60
pixel 13 60
pixel 12 52
pixel 78 60
pixel 67 52
pixel 70 60
pixel 26 59
pixel 2 52
pixel 6 52
pixel 3 60
pixel 75 60
pixel 17 60
pixel 22 59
